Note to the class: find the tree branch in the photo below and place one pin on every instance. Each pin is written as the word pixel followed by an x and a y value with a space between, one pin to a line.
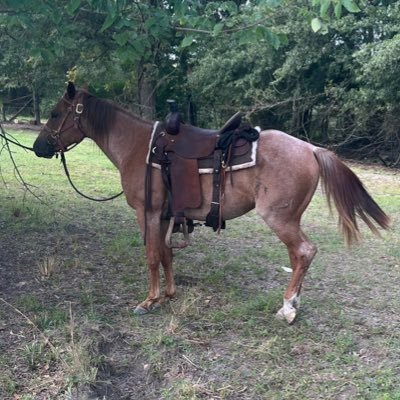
pixel 232 30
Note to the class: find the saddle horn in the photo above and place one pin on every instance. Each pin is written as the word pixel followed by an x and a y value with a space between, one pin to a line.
pixel 173 119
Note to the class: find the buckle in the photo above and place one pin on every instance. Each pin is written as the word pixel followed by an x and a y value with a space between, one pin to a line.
pixel 79 108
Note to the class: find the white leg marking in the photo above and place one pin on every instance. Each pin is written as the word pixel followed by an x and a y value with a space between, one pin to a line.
pixel 289 309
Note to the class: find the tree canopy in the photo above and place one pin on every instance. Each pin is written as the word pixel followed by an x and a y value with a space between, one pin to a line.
pixel 324 70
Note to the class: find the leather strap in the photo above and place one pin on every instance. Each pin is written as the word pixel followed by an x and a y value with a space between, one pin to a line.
pixel 213 218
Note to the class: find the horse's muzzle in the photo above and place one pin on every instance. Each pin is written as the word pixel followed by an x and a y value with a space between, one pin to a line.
pixel 43 148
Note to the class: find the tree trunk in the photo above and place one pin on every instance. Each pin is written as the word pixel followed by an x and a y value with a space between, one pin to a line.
pixel 20 111
pixel 191 111
pixel 324 129
pixel 295 123
pixel 146 94
pixel 36 107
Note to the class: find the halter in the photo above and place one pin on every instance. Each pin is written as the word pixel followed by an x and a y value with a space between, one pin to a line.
pixel 55 135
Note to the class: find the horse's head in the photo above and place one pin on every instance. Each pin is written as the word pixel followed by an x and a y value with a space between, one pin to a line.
pixel 63 128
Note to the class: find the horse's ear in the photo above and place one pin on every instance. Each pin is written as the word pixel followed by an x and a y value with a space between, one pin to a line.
pixel 71 90
pixel 85 87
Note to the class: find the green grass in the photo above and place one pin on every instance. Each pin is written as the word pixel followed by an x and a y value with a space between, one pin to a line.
pixel 220 338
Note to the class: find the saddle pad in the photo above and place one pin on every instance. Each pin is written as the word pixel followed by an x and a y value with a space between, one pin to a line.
pixel 244 157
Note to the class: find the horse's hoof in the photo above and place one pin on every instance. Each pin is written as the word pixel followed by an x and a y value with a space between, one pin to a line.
pixel 142 310
pixel 288 315
pixel 139 310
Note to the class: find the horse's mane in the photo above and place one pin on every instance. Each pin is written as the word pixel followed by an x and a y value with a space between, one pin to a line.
pixel 101 114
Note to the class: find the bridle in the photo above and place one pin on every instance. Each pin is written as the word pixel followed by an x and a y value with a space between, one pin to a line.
pixel 54 137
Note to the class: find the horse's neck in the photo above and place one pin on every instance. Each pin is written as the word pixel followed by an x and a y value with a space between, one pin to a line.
pixel 126 141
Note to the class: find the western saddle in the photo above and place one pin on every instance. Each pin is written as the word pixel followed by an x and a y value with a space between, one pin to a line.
pixel 181 150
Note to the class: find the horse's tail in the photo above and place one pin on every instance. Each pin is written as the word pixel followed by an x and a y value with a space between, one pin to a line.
pixel 351 198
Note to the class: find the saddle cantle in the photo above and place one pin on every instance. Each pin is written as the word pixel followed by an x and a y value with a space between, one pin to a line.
pixel 181 149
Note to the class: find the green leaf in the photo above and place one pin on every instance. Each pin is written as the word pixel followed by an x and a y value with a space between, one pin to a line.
pixel 273 3
pixel 316 24
pixel 246 37
pixel 108 22
pixel 122 38
pixel 187 41
pixel 17 3
pixel 126 54
pixel 273 39
pixel 218 28
pixel 350 6
pixel 260 32
pixel 283 39
pixel 140 47
pixel 59 51
pixel 338 10
pixel 73 6
pixel 324 7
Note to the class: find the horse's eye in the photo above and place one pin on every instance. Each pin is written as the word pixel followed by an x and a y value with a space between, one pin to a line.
pixel 54 114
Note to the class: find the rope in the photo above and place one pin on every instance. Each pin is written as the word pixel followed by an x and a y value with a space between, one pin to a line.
pixel 3 134
pixel 64 163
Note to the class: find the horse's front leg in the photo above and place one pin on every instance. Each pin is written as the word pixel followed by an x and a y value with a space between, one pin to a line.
pixel 156 253
pixel 166 261
pixel 153 259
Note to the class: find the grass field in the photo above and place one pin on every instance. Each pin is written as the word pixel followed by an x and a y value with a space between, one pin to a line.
pixel 71 272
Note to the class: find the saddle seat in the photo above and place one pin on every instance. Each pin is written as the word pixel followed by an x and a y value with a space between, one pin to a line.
pixel 195 143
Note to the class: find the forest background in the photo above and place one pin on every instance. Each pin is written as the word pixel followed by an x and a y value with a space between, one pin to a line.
pixel 326 71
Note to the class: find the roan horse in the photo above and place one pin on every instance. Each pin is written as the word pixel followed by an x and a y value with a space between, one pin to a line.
pixel 279 187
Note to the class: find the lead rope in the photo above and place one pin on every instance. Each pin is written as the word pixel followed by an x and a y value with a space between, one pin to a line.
pixel 64 163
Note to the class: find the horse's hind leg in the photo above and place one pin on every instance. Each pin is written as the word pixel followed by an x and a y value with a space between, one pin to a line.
pixel 301 253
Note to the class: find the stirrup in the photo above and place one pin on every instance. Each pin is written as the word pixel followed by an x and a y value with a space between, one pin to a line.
pixel 168 239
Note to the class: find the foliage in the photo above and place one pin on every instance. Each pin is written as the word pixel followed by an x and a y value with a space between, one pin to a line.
pixel 324 70
pixel 338 85
pixel 135 43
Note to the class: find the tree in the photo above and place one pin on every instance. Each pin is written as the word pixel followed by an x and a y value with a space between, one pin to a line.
pixel 250 54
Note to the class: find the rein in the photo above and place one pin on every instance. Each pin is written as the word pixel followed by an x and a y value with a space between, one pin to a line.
pixel 4 136
pixel 64 163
